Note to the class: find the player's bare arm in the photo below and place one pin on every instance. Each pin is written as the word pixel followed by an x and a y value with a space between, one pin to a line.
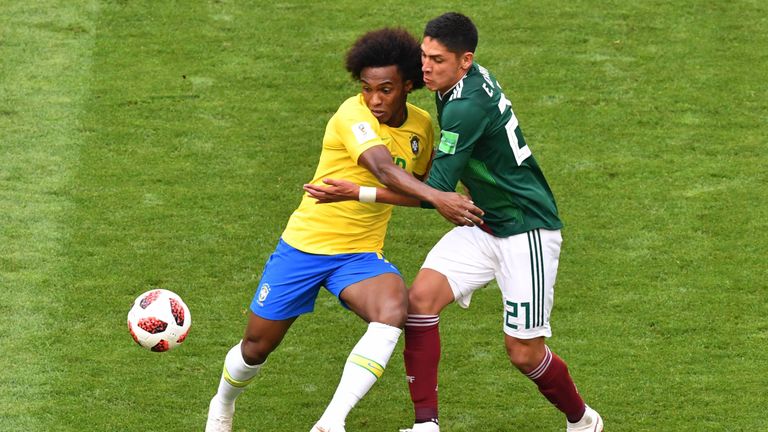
pixel 403 189
pixel 336 190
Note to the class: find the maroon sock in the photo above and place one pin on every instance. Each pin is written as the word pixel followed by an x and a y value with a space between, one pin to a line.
pixel 555 383
pixel 422 355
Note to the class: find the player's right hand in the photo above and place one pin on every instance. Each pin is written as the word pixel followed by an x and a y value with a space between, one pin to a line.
pixel 458 209
pixel 335 191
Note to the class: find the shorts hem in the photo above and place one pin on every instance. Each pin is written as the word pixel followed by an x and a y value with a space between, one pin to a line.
pixel 530 334
pixel 277 316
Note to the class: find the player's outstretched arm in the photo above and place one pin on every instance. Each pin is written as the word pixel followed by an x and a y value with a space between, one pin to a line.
pixel 402 189
pixel 456 208
pixel 336 190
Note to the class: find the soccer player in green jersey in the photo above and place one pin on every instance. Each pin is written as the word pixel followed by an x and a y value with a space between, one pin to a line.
pixel 481 145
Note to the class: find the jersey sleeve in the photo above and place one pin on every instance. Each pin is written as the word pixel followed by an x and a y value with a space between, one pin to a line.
pixel 358 130
pixel 462 124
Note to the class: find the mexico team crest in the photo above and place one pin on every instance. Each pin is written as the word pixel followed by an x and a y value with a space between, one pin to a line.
pixel 415 144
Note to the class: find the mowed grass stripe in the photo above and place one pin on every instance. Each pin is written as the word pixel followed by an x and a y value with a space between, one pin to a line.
pixel 45 48
pixel 142 216
pixel 166 188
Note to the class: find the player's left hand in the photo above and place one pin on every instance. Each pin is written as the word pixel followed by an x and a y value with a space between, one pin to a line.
pixel 337 190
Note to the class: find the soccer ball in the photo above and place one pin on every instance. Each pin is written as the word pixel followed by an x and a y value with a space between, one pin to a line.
pixel 159 320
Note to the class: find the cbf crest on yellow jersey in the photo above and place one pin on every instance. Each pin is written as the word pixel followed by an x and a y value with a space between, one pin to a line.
pixel 352 226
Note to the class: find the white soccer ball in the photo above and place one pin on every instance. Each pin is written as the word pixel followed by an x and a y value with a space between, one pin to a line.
pixel 159 320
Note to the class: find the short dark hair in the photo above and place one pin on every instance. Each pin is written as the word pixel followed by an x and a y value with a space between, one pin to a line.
pixel 454 30
pixel 387 47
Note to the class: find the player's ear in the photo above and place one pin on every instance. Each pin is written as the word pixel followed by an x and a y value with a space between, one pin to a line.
pixel 408 86
pixel 466 59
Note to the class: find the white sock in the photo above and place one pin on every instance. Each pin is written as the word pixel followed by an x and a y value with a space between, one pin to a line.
pixel 364 366
pixel 236 375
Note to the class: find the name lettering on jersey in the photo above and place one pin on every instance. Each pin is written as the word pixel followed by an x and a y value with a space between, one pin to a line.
pixel 486 76
pixel 363 132
pixel 488 84
pixel 448 141
pixel 487 90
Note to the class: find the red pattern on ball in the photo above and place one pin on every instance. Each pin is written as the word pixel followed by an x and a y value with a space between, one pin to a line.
pixel 177 311
pixel 161 346
pixel 149 298
pixel 135 338
pixel 152 325
pixel 182 337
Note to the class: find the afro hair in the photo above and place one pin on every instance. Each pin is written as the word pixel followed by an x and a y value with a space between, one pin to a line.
pixel 387 47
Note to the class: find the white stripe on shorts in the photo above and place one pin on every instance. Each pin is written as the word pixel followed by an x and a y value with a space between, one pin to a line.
pixel 537 277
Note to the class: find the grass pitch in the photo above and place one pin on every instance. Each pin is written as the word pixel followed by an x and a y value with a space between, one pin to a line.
pixel 164 144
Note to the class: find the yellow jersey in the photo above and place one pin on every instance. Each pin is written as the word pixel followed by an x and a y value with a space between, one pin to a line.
pixel 352 226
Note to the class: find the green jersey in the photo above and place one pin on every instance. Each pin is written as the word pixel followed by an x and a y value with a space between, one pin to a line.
pixel 482 145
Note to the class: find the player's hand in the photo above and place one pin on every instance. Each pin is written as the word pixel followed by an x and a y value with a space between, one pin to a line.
pixel 458 209
pixel 337 190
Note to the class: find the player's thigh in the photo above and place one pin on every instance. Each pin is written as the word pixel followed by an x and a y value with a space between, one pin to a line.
pixel 381 298
pixel 466 258
pixel 369 285
pixel 527 273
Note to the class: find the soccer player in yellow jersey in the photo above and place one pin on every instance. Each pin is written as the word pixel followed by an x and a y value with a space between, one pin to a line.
pixel 339 246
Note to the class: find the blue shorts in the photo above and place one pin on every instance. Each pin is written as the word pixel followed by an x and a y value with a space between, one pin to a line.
pixel 292 279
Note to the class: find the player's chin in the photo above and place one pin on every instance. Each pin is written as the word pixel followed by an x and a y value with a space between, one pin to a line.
pixel 382 117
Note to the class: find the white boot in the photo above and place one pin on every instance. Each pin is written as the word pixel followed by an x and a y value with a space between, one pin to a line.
pixel 219 416
pixel 590 422
pixel 423 427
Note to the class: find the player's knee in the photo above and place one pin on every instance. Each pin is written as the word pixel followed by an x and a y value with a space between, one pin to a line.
pixel 525 355
pixel 393 319
pixel 422 301
pixel 393 311
pixel 255 350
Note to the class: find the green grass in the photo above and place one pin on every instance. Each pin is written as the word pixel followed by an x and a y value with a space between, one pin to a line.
pixel 148 144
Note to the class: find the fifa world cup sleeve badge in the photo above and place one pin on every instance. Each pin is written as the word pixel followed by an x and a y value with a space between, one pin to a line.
pixel 363 132
pixel 448 141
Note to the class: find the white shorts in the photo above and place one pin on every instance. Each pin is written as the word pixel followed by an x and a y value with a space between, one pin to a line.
pixel 524 265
